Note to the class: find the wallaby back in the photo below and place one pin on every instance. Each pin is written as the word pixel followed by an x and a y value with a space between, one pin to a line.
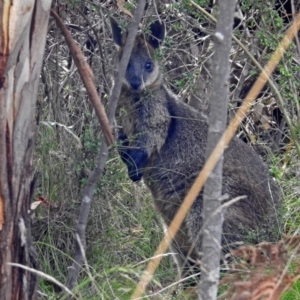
pixel 163 142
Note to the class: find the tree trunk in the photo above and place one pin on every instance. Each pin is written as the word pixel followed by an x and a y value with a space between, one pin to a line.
pixel 23 28
pixel 212 215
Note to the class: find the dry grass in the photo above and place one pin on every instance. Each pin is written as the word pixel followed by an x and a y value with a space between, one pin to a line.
pixel 123 229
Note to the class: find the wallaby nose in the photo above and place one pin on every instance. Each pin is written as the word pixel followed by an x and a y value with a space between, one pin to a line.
pixel 135 83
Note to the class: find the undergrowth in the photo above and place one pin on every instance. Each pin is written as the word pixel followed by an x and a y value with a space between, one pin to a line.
pixel 124 230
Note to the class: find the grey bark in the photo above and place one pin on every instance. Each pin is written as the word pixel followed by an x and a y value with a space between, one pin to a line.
pixel 23 28
pixel 212 215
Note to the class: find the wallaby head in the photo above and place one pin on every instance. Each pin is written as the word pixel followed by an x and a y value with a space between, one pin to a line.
pixel 143 69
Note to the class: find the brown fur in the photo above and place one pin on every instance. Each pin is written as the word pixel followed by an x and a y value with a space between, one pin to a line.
pixel 163 141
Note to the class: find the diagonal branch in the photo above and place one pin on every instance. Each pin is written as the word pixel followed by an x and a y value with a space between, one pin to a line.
pixel 86 75
pixel 80 244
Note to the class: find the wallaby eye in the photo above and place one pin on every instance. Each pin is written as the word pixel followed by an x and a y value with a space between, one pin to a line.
pixel 148 66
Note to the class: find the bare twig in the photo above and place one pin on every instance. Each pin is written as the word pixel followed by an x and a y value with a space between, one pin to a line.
pixel 214 157
pixel 92 180
pixel 44 275
pixel 92 279
pixel 86 75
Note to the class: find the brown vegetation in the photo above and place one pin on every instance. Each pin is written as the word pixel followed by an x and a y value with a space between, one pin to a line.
pixel 264 271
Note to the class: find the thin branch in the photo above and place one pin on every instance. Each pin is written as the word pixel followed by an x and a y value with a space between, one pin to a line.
pixel 92 279
pixel 96 173
pixel 74 270
pixel 214 157
pixel 86 75
pixel 93 27
pixel 44 275
pixel 132 31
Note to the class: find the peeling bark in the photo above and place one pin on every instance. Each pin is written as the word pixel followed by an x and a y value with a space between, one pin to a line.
pixel 23 28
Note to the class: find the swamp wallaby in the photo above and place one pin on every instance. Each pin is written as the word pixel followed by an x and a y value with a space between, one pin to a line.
pixel 163 141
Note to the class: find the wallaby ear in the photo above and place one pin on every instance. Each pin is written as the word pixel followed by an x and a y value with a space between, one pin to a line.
pixel 157 31
pixel 116 32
